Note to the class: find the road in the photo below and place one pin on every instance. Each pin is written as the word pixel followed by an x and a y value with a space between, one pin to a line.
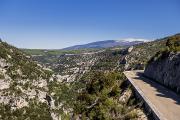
pixel 164 102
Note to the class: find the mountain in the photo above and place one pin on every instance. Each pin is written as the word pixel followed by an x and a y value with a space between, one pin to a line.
pixel 88 77
pixel 107 44
pixel 77 89
pixel 72 84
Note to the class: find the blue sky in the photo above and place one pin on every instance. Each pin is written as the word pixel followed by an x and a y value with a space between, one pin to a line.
pixel 62 23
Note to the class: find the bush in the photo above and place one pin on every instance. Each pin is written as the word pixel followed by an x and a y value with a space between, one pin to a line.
pixel 35 111
pixel 1 76
pixel 99 99
pixel 173 43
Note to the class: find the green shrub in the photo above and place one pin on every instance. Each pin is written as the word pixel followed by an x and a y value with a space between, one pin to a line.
pixel 99 98
pixel 35 111
pixel 1 76
pixel 173 43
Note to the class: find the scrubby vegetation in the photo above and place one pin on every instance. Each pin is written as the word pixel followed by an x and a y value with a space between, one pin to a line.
pixel 142 53
pixel 172 45
pixel 83 86
pixel 163 67
pixel 107 61
pixel 20 75
pixel 99 99
pixel 17 60
pixel 1 76
pixel 44 52
pixel 35 111
pixel 96 94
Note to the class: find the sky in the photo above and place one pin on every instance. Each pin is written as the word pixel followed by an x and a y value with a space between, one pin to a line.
pixel 56 24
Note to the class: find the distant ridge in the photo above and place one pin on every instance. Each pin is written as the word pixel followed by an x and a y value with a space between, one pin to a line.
pixel 107 44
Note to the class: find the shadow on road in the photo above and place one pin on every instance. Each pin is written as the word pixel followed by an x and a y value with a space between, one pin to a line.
pixel 162 91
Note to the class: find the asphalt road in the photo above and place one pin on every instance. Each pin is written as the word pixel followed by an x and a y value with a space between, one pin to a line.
pixel 164 102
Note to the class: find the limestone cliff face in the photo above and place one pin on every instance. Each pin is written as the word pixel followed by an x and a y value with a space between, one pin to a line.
pixel 166 70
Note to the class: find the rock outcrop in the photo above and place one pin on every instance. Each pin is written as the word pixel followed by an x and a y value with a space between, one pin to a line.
pixel 136 57
pixel 24 87
pixel 165 69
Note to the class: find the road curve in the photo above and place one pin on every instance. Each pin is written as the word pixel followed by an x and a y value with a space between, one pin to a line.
pixel 164 102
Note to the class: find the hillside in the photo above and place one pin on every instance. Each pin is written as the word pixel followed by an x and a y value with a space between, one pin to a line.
pixel 23 86
pixel 83 72
pixel 104 44
pixel 79 85
pixel 140 54
pixel 29 91
pixel 164 67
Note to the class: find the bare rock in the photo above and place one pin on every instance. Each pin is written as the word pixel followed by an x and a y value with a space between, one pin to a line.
pixel 125 96
pixel 4 84
pixel 130 49
pixel 166 70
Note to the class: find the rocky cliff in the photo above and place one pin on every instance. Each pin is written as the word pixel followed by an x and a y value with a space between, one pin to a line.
pixel 24 87
pixel 164 67
pixel 166 71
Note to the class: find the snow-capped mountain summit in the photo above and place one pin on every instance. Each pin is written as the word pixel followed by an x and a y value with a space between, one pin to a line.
pixel 108 43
